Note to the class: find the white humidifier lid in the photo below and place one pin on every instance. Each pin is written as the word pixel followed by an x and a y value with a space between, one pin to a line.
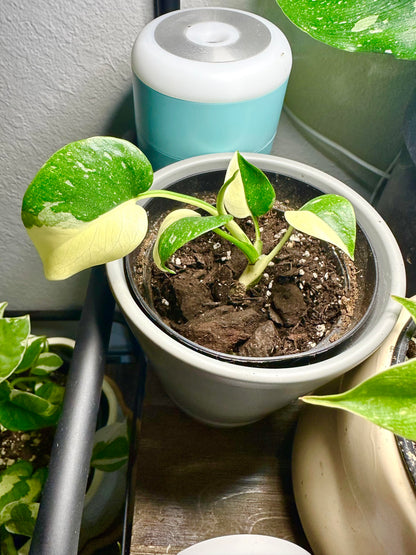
pixel 212 55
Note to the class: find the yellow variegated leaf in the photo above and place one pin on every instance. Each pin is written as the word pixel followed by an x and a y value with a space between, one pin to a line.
pixel 67 250
pixel 310 223
pixel 234 197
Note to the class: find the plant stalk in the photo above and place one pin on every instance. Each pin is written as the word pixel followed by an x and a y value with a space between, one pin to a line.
pixel 253 272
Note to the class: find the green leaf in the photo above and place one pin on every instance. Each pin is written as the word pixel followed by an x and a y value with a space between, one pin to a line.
pixel 250 193
pixel 17 483
pixel 3 306
pixel 80 210
pixel 111 447
pixel 5 390
pixel 327 217
pixel 26 411
pixel 20 518
pixel 178 228
pixel 46 364
pixel 409 305
pixel 13 339
pixel 51 391
pixel 35 346
pixel 388 399
pixel 386 26
pixel 7 546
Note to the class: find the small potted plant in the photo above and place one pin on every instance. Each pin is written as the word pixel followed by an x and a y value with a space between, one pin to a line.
pixel 346 468
pixel 32 384
pixel 82 209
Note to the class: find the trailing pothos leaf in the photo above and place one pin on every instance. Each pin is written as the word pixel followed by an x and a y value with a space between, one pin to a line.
pixel 386 26
pixel 29 398
pixel 20 490
pixel 74 203
pixel 111 447
pixel 409 305
pixel 388 398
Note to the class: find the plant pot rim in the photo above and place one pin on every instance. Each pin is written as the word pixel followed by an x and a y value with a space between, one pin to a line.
pixel 379 322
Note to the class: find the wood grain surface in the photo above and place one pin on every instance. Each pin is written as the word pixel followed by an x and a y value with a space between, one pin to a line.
pixel 195 482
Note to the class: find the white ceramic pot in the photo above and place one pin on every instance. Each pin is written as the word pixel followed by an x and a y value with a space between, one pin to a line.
pixel 244 544
pixel 352 490
pixel 222 393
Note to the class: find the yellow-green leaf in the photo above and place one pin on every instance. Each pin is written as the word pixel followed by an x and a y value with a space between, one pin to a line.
pixel 409 305
pixel 388 399
pixel 250 193
pixel 386 26
pixel 80 209
pixel 327 217
pixel 67 250
pixel 234 197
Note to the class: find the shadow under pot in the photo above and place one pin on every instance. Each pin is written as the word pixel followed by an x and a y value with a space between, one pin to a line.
pixel 269 357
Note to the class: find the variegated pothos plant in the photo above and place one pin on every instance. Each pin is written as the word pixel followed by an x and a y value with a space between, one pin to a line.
pixel 30 399
pixel 82 209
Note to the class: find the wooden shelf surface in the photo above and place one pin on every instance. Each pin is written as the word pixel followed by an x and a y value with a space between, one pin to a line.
pixel 194 482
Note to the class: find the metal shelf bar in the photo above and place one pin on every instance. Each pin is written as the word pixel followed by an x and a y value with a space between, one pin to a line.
pixel 59 521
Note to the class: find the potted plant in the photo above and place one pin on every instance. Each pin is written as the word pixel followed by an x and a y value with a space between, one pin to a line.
pixel 358 470
pixel 82 209
pixel 33 375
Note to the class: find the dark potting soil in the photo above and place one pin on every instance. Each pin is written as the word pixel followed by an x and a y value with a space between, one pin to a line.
pixel 34 446
pixel 303 295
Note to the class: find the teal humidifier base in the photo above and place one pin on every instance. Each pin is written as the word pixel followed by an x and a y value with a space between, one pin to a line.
pixel 208 80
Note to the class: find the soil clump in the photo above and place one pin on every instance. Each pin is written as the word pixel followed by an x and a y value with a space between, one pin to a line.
pixel 306 292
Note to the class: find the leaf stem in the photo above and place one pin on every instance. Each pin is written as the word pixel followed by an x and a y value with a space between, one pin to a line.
pixel 180 198
pixel 253 272
pixel 236 235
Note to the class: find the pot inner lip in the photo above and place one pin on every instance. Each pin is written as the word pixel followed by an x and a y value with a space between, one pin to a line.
pixel 323 350
pixel 407 447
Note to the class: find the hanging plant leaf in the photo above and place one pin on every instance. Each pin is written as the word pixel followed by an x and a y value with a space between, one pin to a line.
pixel 386 26
pixel 14 333
pixel 26 411
pixel 409 305
pixel 51 391
pixel 18 482
pixel 35 346
pixel 46 364
pixel 327 217
pixel 20 518
pixel 388 399
pixel 178 228
pixel 250 193
pixel 80 209
pixel 111 447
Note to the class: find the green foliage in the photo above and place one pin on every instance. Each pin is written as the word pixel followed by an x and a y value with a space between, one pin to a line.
pixel 385 26
pixel 80 209
pixel 388 399
pixel 111 447
pixel 20 490
pixel 29 398
pixel 84 181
